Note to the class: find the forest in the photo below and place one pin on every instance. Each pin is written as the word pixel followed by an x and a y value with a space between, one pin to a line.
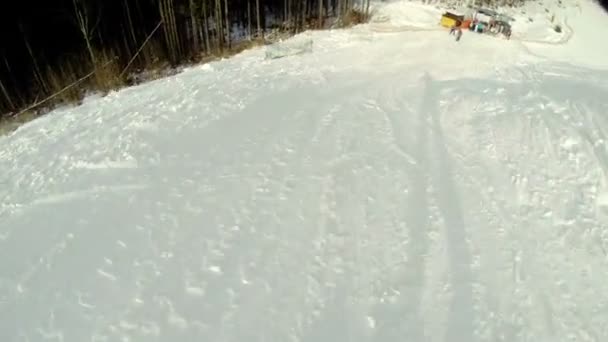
pixel 65 48
pixel 56 51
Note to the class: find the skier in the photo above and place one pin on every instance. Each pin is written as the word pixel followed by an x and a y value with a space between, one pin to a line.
pixel 458 34
pixel 452 29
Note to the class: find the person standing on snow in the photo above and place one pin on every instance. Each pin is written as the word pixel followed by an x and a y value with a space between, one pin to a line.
pixel 453 29
pixel 458 34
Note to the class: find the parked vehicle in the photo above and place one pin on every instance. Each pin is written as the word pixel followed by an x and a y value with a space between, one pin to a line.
pixel 480 20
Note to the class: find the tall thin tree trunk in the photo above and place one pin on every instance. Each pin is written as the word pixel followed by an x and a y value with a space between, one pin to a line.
pixel 228 28
pixel 37 73
pixel 218 25
pixel 148 52
pixel 195 31
pixel 290 15
pixel 206 24
pixel 91 53
pixel 303 13
pixel 125 41
pixel 257 14
pixel 131 27
pixel 163 16
pixel 249 19
pixel 83 21
pixel 320 19
pixel 7 96
pixel 308 5
pixel 13 80
pixel 174 31
pixel 296 17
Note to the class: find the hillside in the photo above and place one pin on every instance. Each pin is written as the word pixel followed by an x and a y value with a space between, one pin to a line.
pixel 390 185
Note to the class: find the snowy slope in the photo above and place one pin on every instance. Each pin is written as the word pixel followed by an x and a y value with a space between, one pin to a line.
pixel 381 188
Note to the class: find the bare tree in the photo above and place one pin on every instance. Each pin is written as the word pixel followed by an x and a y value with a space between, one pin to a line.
pixel 7 96
pixel 257 14
pixel 249 19
pixel 130 23
pixel 82 14
pixel 320 19
pixel 195 30
pixel 11 76
pixel 167 15
pixel 190 27
pixel 218 25
pixel 206 26
pixel 37 74
pixel 228 29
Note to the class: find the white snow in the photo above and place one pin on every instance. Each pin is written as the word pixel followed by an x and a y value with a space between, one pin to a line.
pixel 392 185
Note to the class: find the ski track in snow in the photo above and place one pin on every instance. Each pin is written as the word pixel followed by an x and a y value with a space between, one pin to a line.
pixel 307 199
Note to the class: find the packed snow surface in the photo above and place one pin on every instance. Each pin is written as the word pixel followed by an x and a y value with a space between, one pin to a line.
pixel 389 186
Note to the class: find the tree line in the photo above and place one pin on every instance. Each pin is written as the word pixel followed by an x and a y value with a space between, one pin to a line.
pixel 95 44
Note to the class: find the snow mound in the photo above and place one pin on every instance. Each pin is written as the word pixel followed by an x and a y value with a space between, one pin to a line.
pixel 401 15
pixel 410 13
pixel 290 47
pixel 602 201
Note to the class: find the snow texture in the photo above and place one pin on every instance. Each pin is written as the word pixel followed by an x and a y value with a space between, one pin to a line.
pixel 291 47
pixel 381 188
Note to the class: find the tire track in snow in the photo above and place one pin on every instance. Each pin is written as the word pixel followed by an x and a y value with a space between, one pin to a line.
pixel 530 130
pixel 389 28
pixel 319 279
pixel 417 219
pixel 399 244
pixel 473 154
pixel 592 133
pixel 330 270
pixel 229 255
pixel 348 244
pixel 396 134
pixel 274 266
pixel 568 33
pixel 541 130
pixel 366 212
pixel 352 192
pixel 282 180
pixel 461 311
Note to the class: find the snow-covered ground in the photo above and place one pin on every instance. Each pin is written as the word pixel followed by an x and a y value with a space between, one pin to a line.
pixel 393 185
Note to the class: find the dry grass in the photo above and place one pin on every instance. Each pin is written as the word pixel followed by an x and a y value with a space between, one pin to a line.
pixel 237 47
pixel 355 17
pixel 10 124
pixel 152 65
pixel 107 77
pixel 57 80
pixel 65 85
pixel 246 45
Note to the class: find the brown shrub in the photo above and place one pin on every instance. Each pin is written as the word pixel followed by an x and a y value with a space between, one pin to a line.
pixel 107 75
pixel 57 80
pixel 354 16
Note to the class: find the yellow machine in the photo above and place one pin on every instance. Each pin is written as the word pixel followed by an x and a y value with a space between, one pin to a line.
pixel 450 20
